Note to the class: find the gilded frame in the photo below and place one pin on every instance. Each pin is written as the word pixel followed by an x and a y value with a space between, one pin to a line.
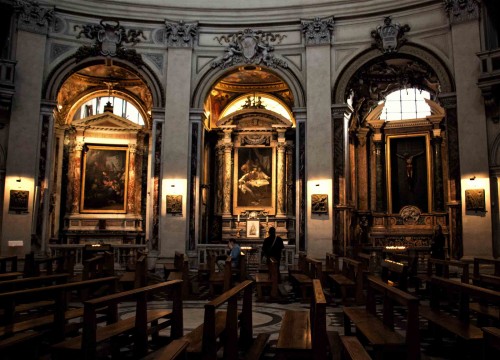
pixel 105 179
pixel 428 160
pixel 265 158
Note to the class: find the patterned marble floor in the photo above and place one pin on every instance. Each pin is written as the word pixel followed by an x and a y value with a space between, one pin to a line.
pixel 267 319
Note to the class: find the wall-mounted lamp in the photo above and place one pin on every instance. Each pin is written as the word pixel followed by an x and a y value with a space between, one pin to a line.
pixel 173 185
pixel 473 178
pixel 18 179
pixel 317 184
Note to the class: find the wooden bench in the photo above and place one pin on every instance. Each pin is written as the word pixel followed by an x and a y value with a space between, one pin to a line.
pixel 456 296
pixel 144 323
pixel 303 333
pixel 219 279
pixel 223 325
pixel 331 264
pixel 137 278
pixel 269 280
pixel 302 281
pixel 174 266
pixel 55 320
pixel 380 333
pixel 353 349
pixel 443 268
pixel 491 343
pixel 181 272
pixel 491 279
pixel 8 264
pixel 395 274
pixel 32 282
pixel 349 279
pixel 176 349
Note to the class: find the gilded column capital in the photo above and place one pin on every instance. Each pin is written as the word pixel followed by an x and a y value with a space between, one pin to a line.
pixel 318 31
pixel 133 148
pixel 33 17
pixel 362 135
pixel 78 146
pixel 376 126
pixel 462 10
pixel 180 34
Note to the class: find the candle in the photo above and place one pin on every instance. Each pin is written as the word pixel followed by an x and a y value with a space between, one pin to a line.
pixel 238 217
pixel 267 219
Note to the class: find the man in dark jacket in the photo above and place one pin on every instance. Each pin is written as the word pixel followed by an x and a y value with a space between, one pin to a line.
pixel 272 247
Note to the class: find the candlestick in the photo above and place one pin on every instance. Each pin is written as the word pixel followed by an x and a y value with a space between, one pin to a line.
pixel 238 217
pixel 267 219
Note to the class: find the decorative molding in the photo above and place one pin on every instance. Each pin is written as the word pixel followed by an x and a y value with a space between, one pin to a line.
pixel 318 31
pixel 410 214
pixel 33 17
pixel 250 47
pixel 462 10
pixel 156 59
pixel 109 38
pixel 57 50
pixel 390 36
pixel 255 139
pixel 180 34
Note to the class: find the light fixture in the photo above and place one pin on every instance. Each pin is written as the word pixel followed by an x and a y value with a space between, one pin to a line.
pixel 473 177
pixel 18 179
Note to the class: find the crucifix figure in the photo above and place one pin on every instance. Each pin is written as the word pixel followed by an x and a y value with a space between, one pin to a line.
pixel 408 159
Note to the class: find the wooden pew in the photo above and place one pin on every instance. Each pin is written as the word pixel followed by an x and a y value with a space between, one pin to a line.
pixel 85 345
pixel 395 274
pixel 461 325
pixel 304 333
pixel 175 266
pixel 443 268
pixel 56 320
pixel 137 278
pixel 489 280
pixel 181 273
pixel 32 282
pixel 349 279
pixel 224 325
pixel 219 279
pixel 491 343
pixel 239 274
pixel 380 333
pixel 98 266
pixel 175 350
pixel 4 264
pixel 269 280
pixel 331 264
pixel 353 349
pixel 302 281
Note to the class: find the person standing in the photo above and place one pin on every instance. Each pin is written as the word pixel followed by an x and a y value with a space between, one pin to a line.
pixel 272 247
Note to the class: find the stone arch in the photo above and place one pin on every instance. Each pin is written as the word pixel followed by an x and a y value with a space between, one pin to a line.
pixel 340 89
pixel 70 65
pixel 212 75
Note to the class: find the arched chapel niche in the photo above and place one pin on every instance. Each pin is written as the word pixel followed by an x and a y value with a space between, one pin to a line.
pixel 403 171
pixel 248 175
pixel 102 137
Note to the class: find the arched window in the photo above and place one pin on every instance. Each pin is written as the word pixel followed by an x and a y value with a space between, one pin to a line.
pixel 257 99
pixel 121 108
pixel 406 104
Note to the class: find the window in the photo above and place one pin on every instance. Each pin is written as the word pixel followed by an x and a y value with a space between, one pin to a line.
pixel 266 101
pixel 121 108
pixel 406 104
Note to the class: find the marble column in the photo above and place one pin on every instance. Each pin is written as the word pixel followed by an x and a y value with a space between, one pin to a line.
pixel 319 164
pixel 380 194
pixel 76 175
pixel 438 174
pixel 472 130
pixel 24 126
pixel 227 177
pixel 362 180
pixel 289 180
pixel 280 176
pixel 132 171
pixel 220 178
pixel 176 135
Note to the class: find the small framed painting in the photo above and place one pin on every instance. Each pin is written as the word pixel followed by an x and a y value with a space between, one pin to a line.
pixel 253 228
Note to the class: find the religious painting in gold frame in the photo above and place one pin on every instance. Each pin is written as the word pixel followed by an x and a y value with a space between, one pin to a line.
pixel 253 229
pixel 174 204
pixel 408 170
pixel 104 179
pixel 475 200
pixel 319 203
pixel 255 179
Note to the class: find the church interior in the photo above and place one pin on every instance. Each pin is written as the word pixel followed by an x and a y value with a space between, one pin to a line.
pixel 143 143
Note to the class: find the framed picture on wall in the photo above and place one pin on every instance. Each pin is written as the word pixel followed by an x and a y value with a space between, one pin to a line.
pixel 105 179
pixel 254 179
pixel 253 228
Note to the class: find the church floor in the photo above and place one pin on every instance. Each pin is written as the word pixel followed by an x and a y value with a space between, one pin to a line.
pixel 267 319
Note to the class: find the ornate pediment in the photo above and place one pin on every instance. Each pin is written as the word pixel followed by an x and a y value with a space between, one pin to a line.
pixel 106 122
pixel 254 119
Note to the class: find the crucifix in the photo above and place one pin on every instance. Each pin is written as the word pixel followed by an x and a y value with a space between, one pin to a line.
pixel 408 159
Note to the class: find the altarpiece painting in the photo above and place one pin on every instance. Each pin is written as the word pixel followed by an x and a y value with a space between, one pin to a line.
pixel 254 179
pixel 104 183
pixel 408 172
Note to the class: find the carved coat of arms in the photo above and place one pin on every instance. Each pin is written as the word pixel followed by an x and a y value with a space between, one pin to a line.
pixel 110 37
